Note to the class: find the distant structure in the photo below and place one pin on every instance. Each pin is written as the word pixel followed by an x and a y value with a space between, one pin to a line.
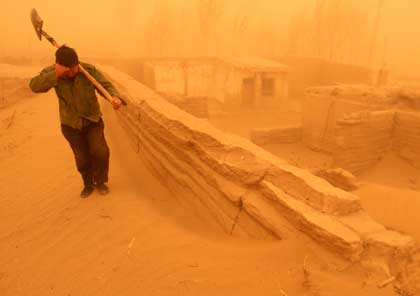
pixel 252 82
pixel 359 124
pixel 249 82
pixel 313 72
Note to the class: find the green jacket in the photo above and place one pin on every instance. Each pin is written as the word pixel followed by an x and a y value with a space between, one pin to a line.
pixel 76 97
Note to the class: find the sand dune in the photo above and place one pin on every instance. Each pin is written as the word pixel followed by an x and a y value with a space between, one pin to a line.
pixel 138 239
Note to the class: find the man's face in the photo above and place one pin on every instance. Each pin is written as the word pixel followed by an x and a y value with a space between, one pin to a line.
pixel 73 70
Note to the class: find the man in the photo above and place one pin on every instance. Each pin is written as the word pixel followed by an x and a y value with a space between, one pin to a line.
pixel 80 115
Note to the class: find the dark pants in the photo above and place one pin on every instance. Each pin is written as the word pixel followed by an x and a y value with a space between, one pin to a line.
pixel 90 151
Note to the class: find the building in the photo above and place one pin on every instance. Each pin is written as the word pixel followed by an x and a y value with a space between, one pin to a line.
pixel 251 82
pixel 233 81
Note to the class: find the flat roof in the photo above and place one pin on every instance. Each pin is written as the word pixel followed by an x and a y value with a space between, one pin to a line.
pixel 256 64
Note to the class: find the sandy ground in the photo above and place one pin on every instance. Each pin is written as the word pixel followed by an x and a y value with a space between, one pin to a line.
pixel 390 192
pixel 242 120
pixel 138 240
pixel 395 208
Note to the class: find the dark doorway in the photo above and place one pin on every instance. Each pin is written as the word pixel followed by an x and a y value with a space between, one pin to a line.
pixel 248 91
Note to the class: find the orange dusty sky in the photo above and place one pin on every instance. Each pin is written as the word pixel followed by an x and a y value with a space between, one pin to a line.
pixel 123 28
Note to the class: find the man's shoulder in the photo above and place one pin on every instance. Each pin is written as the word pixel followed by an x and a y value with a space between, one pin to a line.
pixel 88 67
pixel 48 68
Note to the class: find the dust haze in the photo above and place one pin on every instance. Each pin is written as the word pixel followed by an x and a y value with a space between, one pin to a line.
pixel 346 31
pixel 265 148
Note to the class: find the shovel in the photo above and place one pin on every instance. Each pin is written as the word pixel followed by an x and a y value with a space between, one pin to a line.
pixel 37 22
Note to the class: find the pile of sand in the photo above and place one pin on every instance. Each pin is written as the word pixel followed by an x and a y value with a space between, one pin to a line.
pixel 14 83
pixel 13 71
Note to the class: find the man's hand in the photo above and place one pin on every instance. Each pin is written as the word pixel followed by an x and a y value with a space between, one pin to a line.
pixel 61 71
pixel 116 103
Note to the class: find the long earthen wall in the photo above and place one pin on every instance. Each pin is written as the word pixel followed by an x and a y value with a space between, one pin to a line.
pixel 247 190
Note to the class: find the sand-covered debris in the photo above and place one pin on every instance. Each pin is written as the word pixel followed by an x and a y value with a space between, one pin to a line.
pixel 339 178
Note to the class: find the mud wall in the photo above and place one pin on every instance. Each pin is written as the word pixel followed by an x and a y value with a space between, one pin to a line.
pixel 359 139
pixel 358 124
pixel 285 134
pixel 318 123
pixel 319 120
pixel 247 190
pixel 363 139
pixel 406 140
pixel 196 106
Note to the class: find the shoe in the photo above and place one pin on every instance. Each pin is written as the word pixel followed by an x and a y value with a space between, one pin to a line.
pixel 87 190
pixel 102 188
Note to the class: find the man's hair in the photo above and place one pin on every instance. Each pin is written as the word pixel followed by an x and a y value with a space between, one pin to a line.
pixel 66 56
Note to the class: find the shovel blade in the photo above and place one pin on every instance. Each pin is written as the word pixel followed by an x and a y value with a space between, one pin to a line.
pixel 37 23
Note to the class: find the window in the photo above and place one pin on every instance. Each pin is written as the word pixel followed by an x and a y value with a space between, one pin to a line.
pixel 267 87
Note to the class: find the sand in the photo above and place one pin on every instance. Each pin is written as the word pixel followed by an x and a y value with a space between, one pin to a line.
pixel 138 240
pixel 15 71
pixel 242 120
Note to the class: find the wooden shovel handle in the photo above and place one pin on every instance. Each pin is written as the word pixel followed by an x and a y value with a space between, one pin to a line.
pixel 99 86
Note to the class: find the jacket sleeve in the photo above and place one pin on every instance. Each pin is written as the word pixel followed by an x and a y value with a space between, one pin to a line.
pixel 44 81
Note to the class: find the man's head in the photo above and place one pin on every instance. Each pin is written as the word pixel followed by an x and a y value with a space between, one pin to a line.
pixel 67 57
